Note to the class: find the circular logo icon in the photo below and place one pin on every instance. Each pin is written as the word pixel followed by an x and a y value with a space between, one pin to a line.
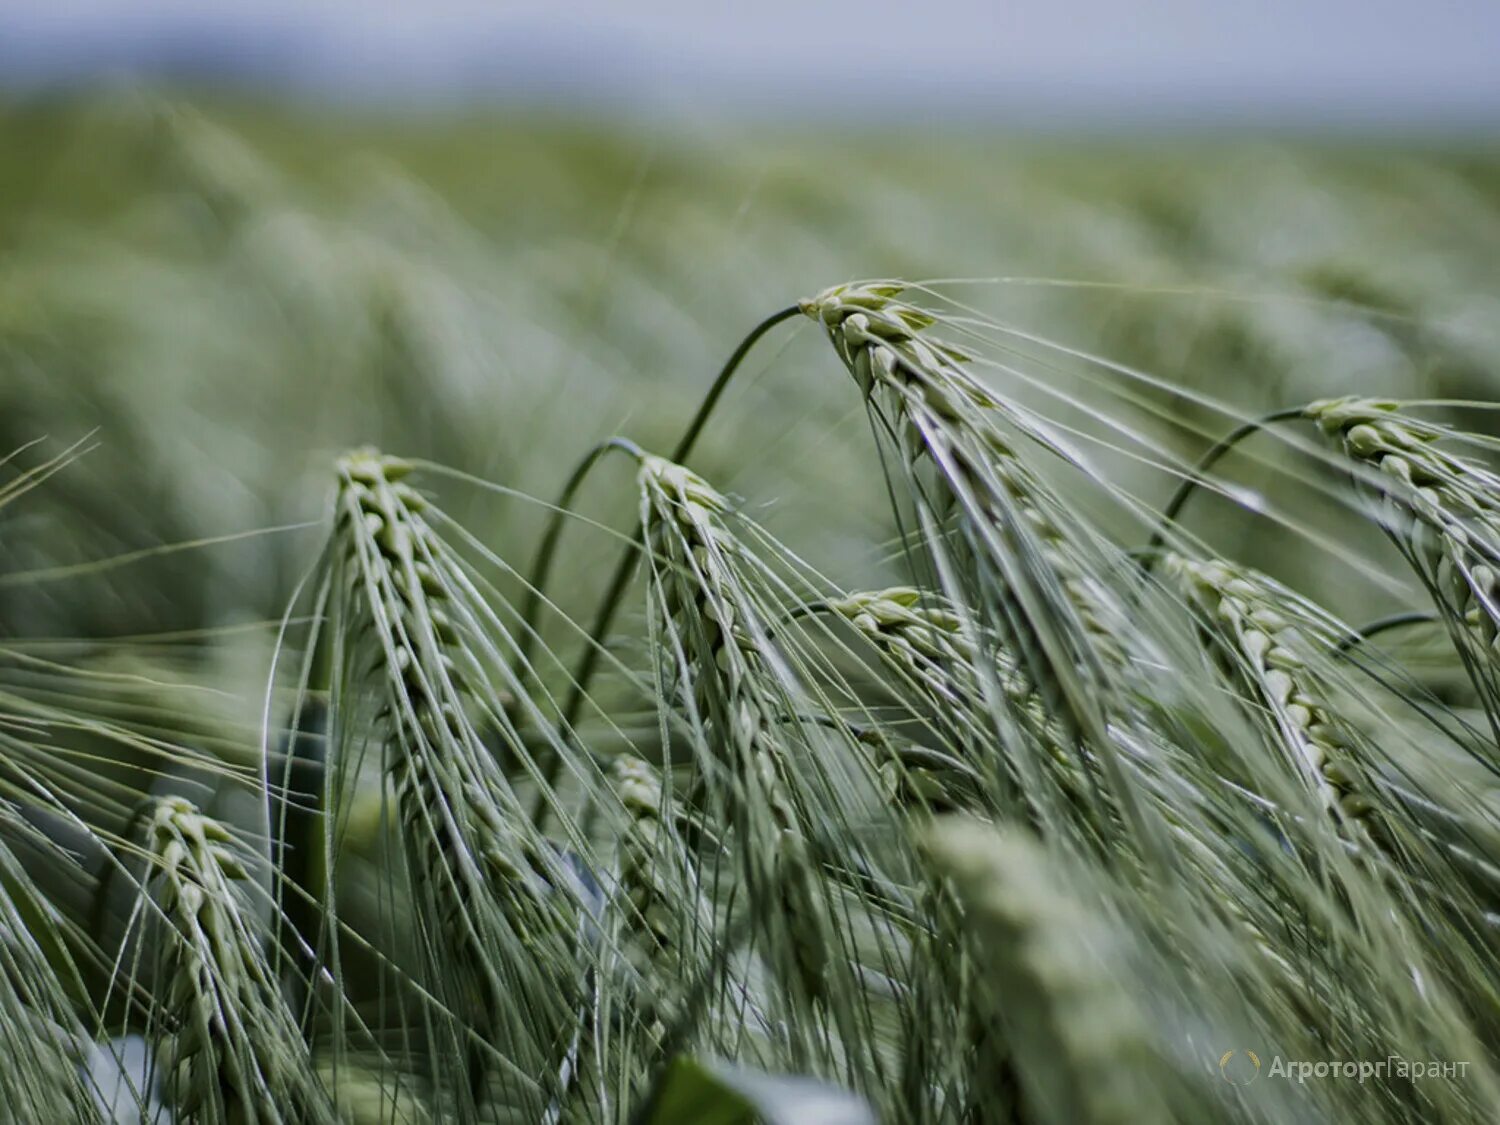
pixel 1239 1073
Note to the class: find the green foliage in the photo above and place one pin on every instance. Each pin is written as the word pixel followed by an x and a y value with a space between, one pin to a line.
pixel 1043 833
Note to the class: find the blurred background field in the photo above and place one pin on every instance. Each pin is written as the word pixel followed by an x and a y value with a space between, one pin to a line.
pixel 216 296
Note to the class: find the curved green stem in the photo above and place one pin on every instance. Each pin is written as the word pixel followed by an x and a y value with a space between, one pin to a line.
pixel 541 566
pixel 731 365
pixel 1193 480
pixel 807 609
pixel 588 663
pixel 1380 625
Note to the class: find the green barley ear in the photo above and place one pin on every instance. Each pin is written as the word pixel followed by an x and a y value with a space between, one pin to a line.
pixel 235 1053
pixel 496 914
pixel 1277 640
pixel 935 660
pixel 1008 554
pixel 1443 512
pixel 1281 650
pixel 1051 1005
pixel 700 586
pixel 789 790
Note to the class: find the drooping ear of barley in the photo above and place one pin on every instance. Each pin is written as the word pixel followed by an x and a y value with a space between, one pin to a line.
pixel 1007 552
pixel 1276 639
pixel 742 690
pixel 1012 522
pixel 497 911
pixel 234 1052
pixel 720 677
pixel 1282 652
pixel 932 655
pixel 929 661
pixel 665 922
pixel 1443 512
pixel 1057 1034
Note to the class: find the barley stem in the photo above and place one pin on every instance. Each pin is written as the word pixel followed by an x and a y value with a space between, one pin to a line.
pixel 1380 625
pixel 541 567
pixel 588 662
pixel 1194 480
pixel 297 819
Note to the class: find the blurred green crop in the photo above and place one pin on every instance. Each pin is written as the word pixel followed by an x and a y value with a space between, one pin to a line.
pixel 222 298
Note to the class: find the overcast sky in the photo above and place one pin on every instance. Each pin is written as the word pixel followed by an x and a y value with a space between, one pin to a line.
pixel 1341 60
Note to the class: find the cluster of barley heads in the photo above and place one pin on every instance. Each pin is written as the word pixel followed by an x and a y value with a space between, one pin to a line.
pixel 1044 835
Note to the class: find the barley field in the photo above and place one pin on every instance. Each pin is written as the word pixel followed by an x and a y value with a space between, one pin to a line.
pixel 517 618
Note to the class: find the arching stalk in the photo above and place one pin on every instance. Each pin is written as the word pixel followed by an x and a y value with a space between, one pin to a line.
pixel 588 663
pixel 541 566
pixel 1383 624
pixel 1190 484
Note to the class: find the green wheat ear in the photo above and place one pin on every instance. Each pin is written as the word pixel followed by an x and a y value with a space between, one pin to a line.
pixel 498 921
pixel 1278 641
pixel 1441 509
pixel 702 590
pixel 1048 981
pixel 235 1052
